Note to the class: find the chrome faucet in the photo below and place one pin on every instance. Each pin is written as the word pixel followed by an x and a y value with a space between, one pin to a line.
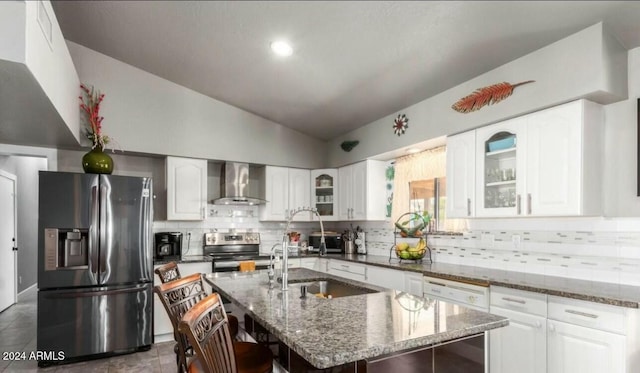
pixel 285 243
pixel 271 271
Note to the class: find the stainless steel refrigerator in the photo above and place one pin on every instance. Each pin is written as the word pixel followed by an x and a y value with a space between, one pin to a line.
pixel 95 269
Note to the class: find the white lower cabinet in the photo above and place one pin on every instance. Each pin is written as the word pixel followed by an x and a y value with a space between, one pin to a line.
pixel 322 265
pixel 578 349
pixel 522 345
pixel 519 347
pixel 162 328
pixel 409 282
pixel 352 271
pixel 561 335
pixel 386 278
pixel 309 263
pixel 586 337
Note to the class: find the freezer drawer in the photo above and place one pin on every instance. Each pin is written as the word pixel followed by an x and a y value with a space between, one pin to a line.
pixel 83 322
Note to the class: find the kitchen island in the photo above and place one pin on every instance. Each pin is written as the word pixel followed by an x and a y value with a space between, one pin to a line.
pixel 361 331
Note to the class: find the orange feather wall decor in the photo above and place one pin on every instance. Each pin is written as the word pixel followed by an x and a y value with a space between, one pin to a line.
pixel 486 96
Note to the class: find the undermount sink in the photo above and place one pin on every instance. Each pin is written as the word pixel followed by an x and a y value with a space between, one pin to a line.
pixel 330 288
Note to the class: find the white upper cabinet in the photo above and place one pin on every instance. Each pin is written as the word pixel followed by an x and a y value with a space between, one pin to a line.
pixel 361 191
pixel 300 192
pixel 324 193
pixel 543 164
pixel 564 151
pixel 285 190
pixel 186 188
pixel 500 168
pixel 345 190
pixel 461 172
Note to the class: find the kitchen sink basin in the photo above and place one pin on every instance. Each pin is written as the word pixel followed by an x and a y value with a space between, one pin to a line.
pixel 330 288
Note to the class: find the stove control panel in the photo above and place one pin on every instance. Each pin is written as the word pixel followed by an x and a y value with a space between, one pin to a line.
pixel 235 238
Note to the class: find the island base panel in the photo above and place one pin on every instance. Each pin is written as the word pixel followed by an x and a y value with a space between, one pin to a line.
pixel 464 356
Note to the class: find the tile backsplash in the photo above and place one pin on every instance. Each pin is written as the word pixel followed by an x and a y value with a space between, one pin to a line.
pixel 596 249
pixel 223 218
pixel 608 251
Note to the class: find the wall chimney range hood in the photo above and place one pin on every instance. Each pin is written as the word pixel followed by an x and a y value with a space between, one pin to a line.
pixel 234 185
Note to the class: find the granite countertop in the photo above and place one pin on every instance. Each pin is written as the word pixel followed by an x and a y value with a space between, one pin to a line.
pixel 593 291
pixel 184 259
pixel 331 332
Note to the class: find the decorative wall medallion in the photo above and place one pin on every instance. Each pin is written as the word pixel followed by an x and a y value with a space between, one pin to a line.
pixel 348 145
pixel 400 124
pixel 486 96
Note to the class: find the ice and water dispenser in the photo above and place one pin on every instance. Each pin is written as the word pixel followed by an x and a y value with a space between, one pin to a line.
pixel 66 248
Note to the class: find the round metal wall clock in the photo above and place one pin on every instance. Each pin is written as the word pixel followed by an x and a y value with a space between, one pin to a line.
pixel 400 124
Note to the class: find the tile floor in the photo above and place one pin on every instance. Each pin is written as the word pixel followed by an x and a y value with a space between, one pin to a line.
pixel 18 333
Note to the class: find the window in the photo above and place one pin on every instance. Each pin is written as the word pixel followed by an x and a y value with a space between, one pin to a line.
pixel 420 184
pixel 430 195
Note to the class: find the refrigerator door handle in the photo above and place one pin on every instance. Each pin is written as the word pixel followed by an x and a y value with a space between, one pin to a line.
pixel 89 294
pixel 104 215
pixel 93 235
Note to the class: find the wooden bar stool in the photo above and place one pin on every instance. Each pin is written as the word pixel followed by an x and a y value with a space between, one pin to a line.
pixel 207 329
pixel 170 272
pixel 177 297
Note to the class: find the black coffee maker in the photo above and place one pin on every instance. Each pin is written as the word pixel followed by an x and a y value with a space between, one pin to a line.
pixel 168 245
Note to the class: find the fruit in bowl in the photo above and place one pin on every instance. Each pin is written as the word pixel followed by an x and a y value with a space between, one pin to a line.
pixel 406 251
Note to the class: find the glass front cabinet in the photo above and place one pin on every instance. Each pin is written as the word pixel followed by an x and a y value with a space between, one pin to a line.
pixel 500 169
pixel 324 193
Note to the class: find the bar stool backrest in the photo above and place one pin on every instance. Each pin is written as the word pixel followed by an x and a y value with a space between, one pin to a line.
pixel 207 329
pixel 168 272
pixel 177 297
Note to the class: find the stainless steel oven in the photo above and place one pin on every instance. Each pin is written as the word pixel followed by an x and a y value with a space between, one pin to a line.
pixel 227 250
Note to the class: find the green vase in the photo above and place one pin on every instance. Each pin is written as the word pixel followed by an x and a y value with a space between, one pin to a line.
pixel 97 161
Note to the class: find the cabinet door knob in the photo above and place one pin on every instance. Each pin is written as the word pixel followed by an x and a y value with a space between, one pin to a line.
pixel 538 324
pixel 552 328
pixel 529 204
pixel 468 206
pixel 518 210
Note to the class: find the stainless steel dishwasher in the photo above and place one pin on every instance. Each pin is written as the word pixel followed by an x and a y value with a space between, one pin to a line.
pixel 475 353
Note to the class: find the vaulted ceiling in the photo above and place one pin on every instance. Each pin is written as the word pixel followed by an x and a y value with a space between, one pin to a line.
pixel 353 61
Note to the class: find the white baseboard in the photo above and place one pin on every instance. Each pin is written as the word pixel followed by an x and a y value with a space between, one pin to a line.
pixel 159 338
pixel 27 292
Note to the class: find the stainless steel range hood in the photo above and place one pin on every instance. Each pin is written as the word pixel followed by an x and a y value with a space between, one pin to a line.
pixel 234 186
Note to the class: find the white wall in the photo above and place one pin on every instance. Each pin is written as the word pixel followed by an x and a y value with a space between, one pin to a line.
pixel 50 63
pixel 621 146
pixel 127 165
pixel 12 18
pixel 589 64
pixel 26 171
pixel 148 114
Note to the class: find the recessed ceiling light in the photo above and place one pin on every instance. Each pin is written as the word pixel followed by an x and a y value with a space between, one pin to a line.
pixel 281 48
pixel 412 150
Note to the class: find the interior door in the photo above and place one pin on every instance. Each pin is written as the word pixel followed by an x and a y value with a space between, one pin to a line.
pixel 7 243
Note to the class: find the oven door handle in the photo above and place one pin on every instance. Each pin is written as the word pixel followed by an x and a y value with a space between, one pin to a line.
pixel 226 264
